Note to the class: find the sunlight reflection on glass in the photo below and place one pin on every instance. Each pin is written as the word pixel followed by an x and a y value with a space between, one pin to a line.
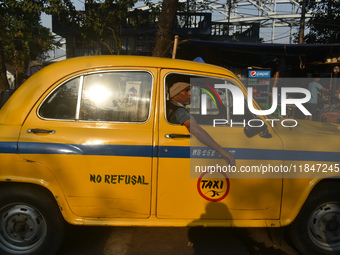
pixel 99 95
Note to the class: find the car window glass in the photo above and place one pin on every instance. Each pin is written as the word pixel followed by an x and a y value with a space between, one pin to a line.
pixel 116 96
pixel 217 99
pixel 62 103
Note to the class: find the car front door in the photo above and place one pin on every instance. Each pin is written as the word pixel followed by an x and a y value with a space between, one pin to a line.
pixel 182 194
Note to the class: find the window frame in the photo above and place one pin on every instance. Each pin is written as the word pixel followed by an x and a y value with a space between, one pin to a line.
pixel 193 75
pixel 80 95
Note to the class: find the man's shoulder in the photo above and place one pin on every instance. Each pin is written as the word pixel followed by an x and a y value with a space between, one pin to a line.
pixel 177 113
pixel 174 103
pixel 315 84
pixel 174 106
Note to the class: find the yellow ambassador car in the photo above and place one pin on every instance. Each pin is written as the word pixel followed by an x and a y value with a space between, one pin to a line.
pixel 87 140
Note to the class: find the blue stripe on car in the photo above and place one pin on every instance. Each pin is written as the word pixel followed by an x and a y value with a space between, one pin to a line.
pixel 8 147
pixel 163 151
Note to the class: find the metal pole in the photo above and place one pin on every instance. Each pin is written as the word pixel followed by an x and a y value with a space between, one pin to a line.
pixel 175 47
pixel 273 28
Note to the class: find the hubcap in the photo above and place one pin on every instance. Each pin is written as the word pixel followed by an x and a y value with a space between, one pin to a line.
pixel 324 227
pixel 22 228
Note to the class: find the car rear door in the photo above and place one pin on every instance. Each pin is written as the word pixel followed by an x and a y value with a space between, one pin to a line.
pixel 94 132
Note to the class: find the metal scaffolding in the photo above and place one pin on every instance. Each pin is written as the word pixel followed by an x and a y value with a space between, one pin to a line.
pixel 270 14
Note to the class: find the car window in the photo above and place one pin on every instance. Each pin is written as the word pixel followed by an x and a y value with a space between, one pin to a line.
pixel 116 96
pixel 215 99
pixel 122 96
pixel 202 88
pixel 218 101
pixel 62 103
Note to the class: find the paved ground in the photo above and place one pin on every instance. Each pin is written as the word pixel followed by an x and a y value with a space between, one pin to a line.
pixel 177 241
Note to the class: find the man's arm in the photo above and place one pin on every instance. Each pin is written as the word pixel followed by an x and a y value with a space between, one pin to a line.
pixel 320 87
pixel 206 139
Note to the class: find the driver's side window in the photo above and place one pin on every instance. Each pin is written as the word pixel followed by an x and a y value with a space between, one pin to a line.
pixel 207 102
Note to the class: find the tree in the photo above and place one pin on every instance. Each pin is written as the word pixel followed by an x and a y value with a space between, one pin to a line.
pixel 165 26
pixel 325 24
pixel 164 36
pixel 22 37
pixel 302 22
pixel 103 21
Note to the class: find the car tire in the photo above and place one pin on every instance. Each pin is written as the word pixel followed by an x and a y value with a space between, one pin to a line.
pixel 30 221
pixel 316 230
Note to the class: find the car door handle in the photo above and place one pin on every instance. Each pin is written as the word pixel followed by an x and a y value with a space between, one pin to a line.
pixel 40 131
pixel 177 136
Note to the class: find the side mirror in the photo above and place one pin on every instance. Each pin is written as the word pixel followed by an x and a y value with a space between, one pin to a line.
pixel 252 131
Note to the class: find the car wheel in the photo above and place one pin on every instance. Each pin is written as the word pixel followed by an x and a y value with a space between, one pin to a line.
pixel 316 230
pixel 30 222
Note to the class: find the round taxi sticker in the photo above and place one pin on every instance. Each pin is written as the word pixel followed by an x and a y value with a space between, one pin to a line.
pixel 213 189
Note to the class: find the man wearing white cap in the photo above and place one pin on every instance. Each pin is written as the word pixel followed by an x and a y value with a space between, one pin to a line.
pixel 179 95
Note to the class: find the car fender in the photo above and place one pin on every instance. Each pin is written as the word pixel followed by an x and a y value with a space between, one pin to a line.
pixel 34 173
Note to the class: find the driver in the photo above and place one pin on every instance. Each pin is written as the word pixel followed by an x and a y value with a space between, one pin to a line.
pixel 179 94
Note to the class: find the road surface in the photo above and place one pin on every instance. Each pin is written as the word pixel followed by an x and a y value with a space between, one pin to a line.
pixel 177 241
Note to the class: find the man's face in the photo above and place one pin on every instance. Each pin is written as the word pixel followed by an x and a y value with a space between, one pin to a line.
pixel 183 97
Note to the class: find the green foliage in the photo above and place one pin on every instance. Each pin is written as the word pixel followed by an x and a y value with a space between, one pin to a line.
pixel 325 24
pixel 22 37
pixel 103 21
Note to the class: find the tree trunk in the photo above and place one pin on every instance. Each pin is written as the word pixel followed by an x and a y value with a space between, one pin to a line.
pixel 164 35
pixel 302 23
pixel 3 75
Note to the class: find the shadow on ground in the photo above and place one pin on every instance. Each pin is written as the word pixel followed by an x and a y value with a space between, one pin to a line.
pixel 164 240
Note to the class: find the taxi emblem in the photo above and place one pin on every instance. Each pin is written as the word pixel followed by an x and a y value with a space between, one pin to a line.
pixel 212 187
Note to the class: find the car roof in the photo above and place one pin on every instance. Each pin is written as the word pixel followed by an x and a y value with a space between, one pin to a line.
pixel 79 63
pixel 37 84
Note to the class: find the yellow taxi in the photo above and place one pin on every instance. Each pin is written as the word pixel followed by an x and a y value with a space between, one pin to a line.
pixel 87 141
